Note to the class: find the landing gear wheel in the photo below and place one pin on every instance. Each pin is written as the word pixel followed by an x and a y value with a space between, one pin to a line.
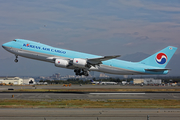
pixel 77 71
pixel 16 60
pixel 81 72
pixel 86 73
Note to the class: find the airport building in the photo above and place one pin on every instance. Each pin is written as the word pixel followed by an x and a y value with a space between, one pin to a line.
pixel 28 81
pixel 12 80
pixel 138 81
pixel 16 81
pixel 147 81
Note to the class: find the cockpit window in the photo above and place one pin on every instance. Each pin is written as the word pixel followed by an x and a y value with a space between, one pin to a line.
pixel 14 40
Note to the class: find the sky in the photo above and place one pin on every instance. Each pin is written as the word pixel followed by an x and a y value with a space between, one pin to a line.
pixel 103 27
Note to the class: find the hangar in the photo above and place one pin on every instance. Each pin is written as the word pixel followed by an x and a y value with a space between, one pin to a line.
pixel 28 81
pixel 11 80
pixel 17 80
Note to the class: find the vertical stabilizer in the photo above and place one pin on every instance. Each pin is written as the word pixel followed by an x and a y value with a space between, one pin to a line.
pixel 161 58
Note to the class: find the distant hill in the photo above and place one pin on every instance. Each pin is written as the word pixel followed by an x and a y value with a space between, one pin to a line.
pixel 135 57
pixel 174 64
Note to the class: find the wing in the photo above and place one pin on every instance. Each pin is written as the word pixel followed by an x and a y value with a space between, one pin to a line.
pixel 96 61
pixel 92 61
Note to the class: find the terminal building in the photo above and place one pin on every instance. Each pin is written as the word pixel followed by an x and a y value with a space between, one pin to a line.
pixel 147 81
pixel 16 80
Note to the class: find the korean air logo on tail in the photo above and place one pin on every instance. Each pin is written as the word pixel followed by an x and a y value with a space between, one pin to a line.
pixel 161 58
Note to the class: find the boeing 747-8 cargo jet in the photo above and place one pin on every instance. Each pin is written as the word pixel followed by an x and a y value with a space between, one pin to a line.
pixel 82 63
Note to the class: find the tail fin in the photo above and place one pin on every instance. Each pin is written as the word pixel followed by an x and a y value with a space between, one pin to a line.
pixel 91 80
pixel 161 58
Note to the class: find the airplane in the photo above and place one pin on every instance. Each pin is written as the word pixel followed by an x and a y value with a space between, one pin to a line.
pixel 82 63
pixel 103 83
pixel 94 82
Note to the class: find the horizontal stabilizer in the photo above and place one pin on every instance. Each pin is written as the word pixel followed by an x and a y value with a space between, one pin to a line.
pixel 156 70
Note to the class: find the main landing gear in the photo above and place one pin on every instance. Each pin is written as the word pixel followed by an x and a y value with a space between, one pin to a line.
pixel 81 72
pixel 16 60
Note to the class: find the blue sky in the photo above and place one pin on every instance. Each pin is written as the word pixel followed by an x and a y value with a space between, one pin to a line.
pixel 103 27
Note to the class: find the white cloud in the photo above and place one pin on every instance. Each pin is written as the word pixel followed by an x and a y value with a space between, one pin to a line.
pixel 128 44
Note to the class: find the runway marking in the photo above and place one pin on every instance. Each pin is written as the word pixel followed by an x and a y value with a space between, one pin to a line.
pixel 119 93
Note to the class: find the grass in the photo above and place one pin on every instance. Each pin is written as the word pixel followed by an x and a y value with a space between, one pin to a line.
pixel 111 103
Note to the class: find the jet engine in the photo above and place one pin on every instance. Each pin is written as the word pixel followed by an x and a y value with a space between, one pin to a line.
pixel 61 63
pixel 80 63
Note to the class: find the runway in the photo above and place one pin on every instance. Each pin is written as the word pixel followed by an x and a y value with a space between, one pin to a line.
pixel 89 114
pixel 104 95
pixel 60 86
pixel 91 96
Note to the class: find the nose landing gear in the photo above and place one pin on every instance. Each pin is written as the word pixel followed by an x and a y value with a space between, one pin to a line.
pixel 16 60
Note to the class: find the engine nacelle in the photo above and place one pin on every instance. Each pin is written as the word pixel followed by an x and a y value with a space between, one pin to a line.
pixel 61 63
pixel 80 63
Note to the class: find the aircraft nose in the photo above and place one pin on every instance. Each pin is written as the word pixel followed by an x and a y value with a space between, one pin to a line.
pixel 5 45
